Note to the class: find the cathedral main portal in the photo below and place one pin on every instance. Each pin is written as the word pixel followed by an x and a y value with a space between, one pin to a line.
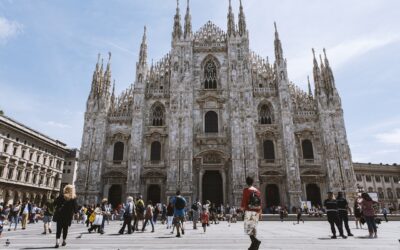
pixel 212 188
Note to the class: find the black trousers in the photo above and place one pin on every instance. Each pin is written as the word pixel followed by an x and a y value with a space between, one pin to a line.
pixel 62 227
pixel 333 218
pixel 344 218
pixel 127 222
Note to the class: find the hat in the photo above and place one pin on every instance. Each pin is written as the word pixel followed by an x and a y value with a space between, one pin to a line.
pixel 329 192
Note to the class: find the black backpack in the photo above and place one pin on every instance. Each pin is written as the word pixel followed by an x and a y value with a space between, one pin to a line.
pixel 179 203
pixel 195 207
pixel 254 201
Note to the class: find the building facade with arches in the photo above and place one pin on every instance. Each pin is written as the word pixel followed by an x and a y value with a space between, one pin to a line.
pixel 31 164
pixel 208 114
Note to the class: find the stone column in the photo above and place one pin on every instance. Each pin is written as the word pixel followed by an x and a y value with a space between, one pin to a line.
pixel 223 185
pixel 201 173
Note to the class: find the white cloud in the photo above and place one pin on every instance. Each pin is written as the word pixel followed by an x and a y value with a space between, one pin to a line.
pixel 9 29
pixel 338 55
pixel 57 124
pixel 391 137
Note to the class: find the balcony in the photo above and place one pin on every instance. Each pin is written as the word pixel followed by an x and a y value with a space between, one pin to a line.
pixel 154 164
pixel 270 163
pixel 310 162
pixel 263 92
pixel 210 138
pixel 157 93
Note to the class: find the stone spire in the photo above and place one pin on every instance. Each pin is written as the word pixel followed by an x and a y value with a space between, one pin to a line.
pixel 316 73
pixel 278 46
pixel 242 20
pixel 143 49
pixel 309 86
pixel 188 22
pixel 177 33
pixel 231 21
pixel 95 78
pixel 107 75
pixel 112 99
pixel 329 80
pixel 113 92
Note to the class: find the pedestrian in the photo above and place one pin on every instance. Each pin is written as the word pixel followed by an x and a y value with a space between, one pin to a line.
pixel 299 213
pixel 213 213
pixel 343 208
pixel 369 214
pixel 156 212
pixel 140 208
pixel 164 214
pixel 2 218
pixel 357 214
pixel 196 206
pixel 65 207
pixel 204 219
pixel 14 215
pixel 385 212
pixel 251 206
pixel 25 212
pixel 148 216
pixel 89 211
pixel 129 213
pixel 48 211
pixel 281 213
pixel 83 213
pixel 333 216
pixel 179 213
pixel 104 212
pixel 170 215
pixel 97 220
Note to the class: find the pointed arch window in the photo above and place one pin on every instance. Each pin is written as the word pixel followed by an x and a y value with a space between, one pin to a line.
pixel 308 152
pixel 265 116
pixel 269 151
pixel 157 115
pixel 155 151
pixel 118 152
pixel 211 122
pixel 210 75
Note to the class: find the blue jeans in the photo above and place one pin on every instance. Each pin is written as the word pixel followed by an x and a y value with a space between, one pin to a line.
pixel 15 220
pixel 370 220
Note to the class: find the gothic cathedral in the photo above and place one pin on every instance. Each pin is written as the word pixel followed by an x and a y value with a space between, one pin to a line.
pixel 208 114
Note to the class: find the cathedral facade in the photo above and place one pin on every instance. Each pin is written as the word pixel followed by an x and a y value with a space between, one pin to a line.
pixel 208 114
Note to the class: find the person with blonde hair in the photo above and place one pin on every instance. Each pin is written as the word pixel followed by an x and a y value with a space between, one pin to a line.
pixel 65 207
pixel 129 213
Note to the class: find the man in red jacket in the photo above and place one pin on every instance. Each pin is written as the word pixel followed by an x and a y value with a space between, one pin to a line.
pixel 251 205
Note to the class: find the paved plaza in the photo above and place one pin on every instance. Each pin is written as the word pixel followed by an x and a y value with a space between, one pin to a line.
pixel 274 235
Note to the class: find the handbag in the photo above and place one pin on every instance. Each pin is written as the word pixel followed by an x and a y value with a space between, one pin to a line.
pixel 98 220
pixel 92 217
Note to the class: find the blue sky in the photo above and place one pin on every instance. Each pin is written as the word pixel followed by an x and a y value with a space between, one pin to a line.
pixel 48 50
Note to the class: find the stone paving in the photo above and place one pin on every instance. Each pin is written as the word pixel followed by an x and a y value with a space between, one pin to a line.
pixel 274 235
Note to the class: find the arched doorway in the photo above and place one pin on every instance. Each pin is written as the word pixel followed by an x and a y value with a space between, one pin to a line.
pixel 313 194
pixel 212 187
pixel 272 197
pixel 115 195
pixel 154 193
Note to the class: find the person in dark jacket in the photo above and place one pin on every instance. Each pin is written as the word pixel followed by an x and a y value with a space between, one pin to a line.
pixel 333 216
pixel 65 207
pixel 343 207
pixel 25 212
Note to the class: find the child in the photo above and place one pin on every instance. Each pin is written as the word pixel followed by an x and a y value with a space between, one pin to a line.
pixel 204 219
